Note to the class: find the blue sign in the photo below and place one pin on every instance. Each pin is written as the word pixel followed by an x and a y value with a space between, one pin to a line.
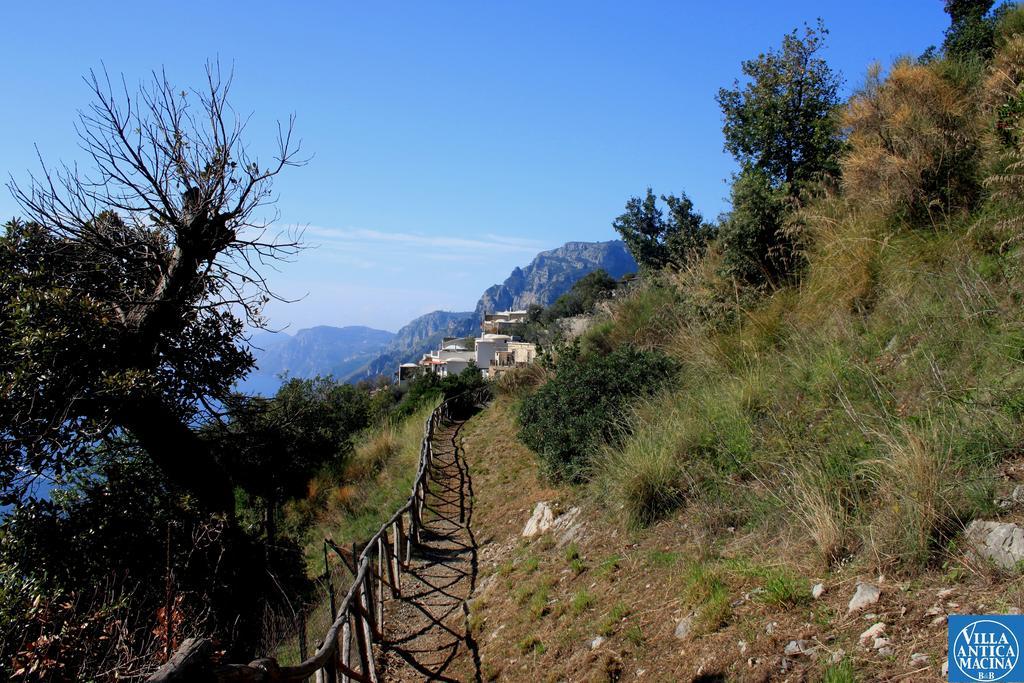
pixel 986 648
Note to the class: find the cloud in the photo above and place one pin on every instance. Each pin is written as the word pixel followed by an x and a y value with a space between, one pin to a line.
pixel 360 237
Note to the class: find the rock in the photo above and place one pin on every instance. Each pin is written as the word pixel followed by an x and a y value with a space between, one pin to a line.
pixel 934 611
pixel 568 527
pixel 945 593
pixel 875 631
pixel 743 647
pixel 1012 610
pixel 540 521
pixel 880 643
pixel 919 659
pixel 797 648
pixel 596 642
pixel 770 628
pixel 684 627
pixel 866 594
pixel 1001 542
pixel 939 620
pixel 886 651
pixel 817 590
pixel 945 667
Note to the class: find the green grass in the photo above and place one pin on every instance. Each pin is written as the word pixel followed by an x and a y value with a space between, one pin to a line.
pixel 582 601
pixel 662 559
pixel 840 673
pixel 611 620
pixel 608 566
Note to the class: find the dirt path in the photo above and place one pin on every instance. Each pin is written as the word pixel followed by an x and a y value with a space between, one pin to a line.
pixel 425 633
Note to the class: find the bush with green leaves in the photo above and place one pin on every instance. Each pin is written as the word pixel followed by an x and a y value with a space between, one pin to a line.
pixel 657 241
pixel 428 388
pixel 583 405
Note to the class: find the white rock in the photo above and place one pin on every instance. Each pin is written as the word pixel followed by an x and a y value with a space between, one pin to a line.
pixel 874 632
pixel 939 620
pixel 934 611
pixel 818 590
pixel 945 667
pixel 886 651
pixel 568 527
pixel 945 593
pixel 1001 542
pixel 743 647
pixel 684 627
pixel 919 659
pixel 540 521
pixel 880 643
pixel 866 594
pixel 770 628
pixel 596 643
pixel 796 648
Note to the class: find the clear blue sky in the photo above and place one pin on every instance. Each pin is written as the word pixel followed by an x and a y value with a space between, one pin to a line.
pixel 451 140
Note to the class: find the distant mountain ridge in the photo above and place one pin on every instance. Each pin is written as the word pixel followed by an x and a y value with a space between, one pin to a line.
pixel 548 276
pixel 320 350
pixel 356 352
pixel 552 273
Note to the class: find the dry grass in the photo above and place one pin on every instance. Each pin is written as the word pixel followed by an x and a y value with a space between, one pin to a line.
pixel 520 381
pixel 914 140
pixel 921 498
pixel 819 506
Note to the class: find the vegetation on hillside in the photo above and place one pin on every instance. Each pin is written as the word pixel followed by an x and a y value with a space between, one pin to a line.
pixel 847 348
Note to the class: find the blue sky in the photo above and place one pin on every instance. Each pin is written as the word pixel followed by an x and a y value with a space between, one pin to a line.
pixel 451 141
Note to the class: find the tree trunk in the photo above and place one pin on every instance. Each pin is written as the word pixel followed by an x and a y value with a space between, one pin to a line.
pixel 184 458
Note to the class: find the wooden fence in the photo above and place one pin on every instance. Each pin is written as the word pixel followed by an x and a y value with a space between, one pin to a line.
pixel 346 650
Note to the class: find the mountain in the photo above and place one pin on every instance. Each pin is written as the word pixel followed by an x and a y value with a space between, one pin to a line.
pixel 548 276
pixel 321 350
pixel 416 338
pixel 552 273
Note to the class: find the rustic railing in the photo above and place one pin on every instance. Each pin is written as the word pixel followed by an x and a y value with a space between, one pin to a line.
pixel 346 650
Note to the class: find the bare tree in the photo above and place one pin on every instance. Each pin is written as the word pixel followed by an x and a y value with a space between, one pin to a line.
pixel 163 244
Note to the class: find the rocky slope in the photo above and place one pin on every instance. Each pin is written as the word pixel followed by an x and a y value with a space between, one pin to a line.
pixel 549 275
pixel 415 339
pixel 553 272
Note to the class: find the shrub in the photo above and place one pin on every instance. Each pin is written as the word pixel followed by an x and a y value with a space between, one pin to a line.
pixel 754 247
pixel 926 496
pixel 914 143
pixel 567 419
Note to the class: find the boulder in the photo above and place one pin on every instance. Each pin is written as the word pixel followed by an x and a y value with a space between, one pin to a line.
pixel 540 521
pixel 1000 542
pixel 866 594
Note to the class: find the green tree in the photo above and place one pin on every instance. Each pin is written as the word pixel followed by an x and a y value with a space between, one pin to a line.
pixel 754 248
pixel 123 298
pixel 657 241
pixel 971 30
pixel 274 446
pixel 782 119
pixel 781 126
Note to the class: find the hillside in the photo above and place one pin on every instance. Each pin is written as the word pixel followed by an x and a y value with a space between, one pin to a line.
pixel 321 350
pixel 834 467
pixel 552 273
pixel 413 340
pixel 548 276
